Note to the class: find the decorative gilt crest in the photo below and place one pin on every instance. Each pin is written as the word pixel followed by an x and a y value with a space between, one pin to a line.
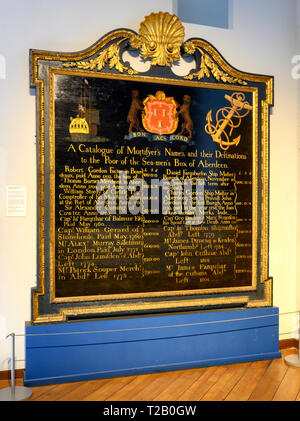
pixel 160 39
pixel 161 36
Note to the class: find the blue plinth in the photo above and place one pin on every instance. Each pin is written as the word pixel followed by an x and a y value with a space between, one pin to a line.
pixel 75 351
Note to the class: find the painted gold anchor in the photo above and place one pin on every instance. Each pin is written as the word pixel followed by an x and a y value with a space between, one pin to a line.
pixel 224 118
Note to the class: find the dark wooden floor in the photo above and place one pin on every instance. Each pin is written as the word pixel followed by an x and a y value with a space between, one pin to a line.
pixel 270 380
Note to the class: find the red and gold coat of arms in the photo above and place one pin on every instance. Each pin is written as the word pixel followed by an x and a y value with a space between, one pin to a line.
pixel 160 114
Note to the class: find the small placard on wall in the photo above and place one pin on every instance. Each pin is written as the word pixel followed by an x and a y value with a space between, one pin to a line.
pixel 15 201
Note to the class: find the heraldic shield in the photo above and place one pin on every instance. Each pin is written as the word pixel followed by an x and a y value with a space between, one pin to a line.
pixel 160 114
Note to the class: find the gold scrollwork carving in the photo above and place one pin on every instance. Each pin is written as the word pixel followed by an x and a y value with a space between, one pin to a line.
pixel 208 66
pixel 111 55
pixel 160 39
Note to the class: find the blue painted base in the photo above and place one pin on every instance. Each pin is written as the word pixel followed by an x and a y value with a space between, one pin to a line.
pixel 75 351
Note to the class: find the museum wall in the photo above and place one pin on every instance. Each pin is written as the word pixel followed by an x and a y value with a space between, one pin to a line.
pixel 262 38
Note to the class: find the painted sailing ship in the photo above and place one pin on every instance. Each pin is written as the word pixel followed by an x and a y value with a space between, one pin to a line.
pixel 84 126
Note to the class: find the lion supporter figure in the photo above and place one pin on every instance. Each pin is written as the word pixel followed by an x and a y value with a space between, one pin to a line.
pixel 187 125
pixel 135 106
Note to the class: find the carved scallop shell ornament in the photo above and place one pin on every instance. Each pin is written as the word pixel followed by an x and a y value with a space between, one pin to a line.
pixel 160 38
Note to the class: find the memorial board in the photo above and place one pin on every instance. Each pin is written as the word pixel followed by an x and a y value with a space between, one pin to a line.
pixel 153 184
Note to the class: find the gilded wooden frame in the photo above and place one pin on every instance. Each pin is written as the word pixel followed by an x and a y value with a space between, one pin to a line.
pixel 103 59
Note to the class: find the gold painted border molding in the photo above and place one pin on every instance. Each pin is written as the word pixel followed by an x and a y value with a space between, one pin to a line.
pixel 139 306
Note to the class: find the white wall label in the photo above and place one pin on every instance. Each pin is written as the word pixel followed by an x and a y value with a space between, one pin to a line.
pixel 2 67
pixel 15 201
